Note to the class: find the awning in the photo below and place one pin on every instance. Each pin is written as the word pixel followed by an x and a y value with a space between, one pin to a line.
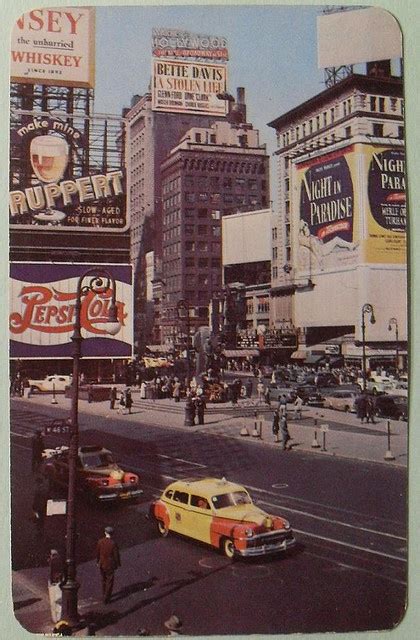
pixel 300 354
pixel 159 348
pixel 241 353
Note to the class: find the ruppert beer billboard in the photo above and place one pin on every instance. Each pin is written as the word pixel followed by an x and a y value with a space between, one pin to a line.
pixel 54 46
pixel 42 311
pixel 51 195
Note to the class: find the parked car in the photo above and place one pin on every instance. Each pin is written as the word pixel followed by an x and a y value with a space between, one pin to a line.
pixel 341 400
pixel 98 476
pixel 399 388
pixel 50 383
pixel 221 514
pixel 326 379
pixel 310 395
pixel 277 391
pixel 391 406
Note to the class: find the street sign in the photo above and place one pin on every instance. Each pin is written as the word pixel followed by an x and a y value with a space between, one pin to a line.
pixel 57 427
pixel 324 428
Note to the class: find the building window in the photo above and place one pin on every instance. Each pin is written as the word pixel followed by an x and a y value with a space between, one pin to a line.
pixel 382 105
pixel 275 272
pixel 202 213
pixel 401 133
pixel 190 246
pixel 198 137
pixel 216 231
pixel 274 253
pixel 347 132
pixel 189 197
pixel 213 138
pixel 274 233
pixel 373 103
pixel 378 130
pixel 202 246
pixel 189 229
pixel 189 262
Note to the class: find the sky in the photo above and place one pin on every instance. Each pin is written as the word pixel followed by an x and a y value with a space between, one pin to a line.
pixel 272 51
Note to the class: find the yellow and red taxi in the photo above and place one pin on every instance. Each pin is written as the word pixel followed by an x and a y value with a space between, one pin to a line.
pixel 98 476
pixel 222 514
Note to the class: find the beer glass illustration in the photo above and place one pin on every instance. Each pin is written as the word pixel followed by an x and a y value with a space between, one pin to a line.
pixel 49 157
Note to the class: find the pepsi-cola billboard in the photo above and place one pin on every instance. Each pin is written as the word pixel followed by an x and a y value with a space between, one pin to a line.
pixel 43 305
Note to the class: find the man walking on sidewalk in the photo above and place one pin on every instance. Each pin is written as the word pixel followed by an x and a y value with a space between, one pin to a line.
pixel 108 560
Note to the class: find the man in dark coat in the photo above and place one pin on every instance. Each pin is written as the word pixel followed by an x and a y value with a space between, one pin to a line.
pixel 112 397
pixel 108 560
pixel 38 447
pixel 200 405
pixel 361 406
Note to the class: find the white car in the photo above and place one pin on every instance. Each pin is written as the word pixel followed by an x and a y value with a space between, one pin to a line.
pixel 50 383
pixel 400 388
pixel 341 401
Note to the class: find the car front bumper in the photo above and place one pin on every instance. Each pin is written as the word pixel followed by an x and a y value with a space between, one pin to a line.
pixel 118 495
pixel 266 547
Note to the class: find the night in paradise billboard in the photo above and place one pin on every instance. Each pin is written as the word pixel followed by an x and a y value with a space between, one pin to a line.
pixel 352 209
pixel 327 233
pixel 54 47
pixel 42 311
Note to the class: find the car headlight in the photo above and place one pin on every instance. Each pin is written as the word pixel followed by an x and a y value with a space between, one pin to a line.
pixel 286 525
pixel 249 533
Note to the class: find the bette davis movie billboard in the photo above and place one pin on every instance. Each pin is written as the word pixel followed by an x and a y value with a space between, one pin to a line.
pixel 42 311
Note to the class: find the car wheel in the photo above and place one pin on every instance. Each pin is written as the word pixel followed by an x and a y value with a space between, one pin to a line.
pixel 228 548
pixel 162 529
pixel 346 408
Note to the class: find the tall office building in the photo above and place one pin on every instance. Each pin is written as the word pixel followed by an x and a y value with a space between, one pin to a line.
pixel 339 236
pixel 151 135
pixel 213 172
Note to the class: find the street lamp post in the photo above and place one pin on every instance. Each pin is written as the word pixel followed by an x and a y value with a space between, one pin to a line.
pixel 394 322
pixel 100 281
pixel 183 310
pixel 367 308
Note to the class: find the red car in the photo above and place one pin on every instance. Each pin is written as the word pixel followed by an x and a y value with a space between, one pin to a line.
pixel 98 476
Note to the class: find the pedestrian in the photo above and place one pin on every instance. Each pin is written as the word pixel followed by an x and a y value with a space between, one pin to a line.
pixel 276 425
pixel 361 406
pixel 38 447
pixel 283 406
pixel 176 391
pixel 267 396
pixel 39 503
pixel 298 404
pixel 260 391
pixel 56 575
pixel 108 560
pixel 121 403
pixel 128 399
pixel 370 409
pixel 285 435
pixel 173 625
pixel 200 406
pixel 112 397
pixel 190 408
pixel 90 393
pixel 143 390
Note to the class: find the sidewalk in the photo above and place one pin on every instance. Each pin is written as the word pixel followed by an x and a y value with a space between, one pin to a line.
pixel 341 433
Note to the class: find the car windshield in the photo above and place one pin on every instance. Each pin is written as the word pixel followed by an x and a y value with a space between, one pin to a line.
pixel 97 460
pixel 231 499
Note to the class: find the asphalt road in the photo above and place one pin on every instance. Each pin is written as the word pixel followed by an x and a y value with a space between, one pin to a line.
pixel 348 572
